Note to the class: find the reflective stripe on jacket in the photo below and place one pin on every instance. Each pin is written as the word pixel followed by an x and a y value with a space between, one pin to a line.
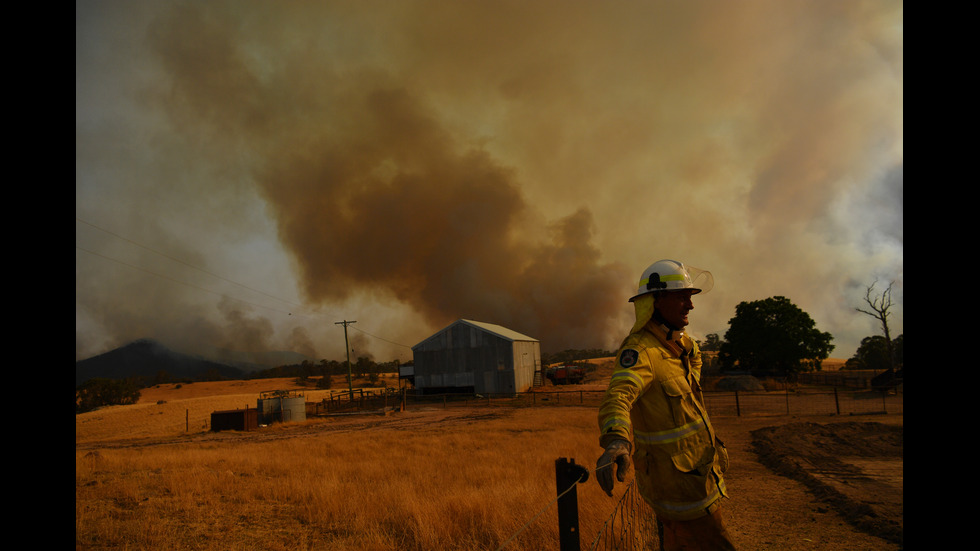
pixel 654 400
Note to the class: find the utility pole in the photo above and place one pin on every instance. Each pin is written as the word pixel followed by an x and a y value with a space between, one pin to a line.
pixel 350 384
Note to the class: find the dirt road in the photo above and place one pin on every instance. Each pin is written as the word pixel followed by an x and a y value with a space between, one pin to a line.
pixel 826 482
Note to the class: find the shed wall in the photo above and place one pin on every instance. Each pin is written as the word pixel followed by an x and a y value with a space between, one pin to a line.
pixel 464 356
pixel 239 419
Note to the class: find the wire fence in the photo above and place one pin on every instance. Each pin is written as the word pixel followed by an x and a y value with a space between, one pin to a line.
pixel 799 401
pixel 631 525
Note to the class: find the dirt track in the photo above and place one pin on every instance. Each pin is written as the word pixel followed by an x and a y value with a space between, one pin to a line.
pixel 854 468
pixel 826 482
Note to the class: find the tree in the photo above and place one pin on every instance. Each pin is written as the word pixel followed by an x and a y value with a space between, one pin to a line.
pixel 773 336
pixel 324 382
pixel 879 306
pixel 363 366
pixel 98 392
pixel 712 343
pixel 874 353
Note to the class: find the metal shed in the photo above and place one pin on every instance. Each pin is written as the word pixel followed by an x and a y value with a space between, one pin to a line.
pixel 235 419
pixel 474 356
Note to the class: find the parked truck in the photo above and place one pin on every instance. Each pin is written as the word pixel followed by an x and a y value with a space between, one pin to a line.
pixel 566 375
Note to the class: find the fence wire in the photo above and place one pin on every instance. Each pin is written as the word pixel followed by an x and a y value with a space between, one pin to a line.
pixel 624 529
pixel 541 512
pixel 799 401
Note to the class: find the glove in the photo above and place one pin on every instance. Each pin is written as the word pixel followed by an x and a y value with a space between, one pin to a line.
pixel 618 453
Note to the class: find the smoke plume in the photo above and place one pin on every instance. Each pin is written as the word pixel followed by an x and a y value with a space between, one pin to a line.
pixel 409 163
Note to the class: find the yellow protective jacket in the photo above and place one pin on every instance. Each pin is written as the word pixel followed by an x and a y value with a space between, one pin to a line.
pixel 654 400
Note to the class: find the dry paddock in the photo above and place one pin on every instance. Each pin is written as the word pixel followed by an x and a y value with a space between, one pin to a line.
pixel 121 505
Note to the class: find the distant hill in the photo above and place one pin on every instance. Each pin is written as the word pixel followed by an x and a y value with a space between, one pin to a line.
pixel 255 361
pixel 146 358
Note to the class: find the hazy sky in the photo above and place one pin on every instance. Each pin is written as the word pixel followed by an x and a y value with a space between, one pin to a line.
pixel 249 173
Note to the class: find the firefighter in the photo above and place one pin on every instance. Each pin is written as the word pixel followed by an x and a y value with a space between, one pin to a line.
pixel 654 410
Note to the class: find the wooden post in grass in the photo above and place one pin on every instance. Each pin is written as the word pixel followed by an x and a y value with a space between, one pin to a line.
pixel 567 475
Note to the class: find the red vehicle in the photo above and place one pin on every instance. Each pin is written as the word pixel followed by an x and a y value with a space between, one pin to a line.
pixel 566 375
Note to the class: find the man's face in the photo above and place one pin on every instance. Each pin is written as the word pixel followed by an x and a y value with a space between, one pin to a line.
pixel 674 306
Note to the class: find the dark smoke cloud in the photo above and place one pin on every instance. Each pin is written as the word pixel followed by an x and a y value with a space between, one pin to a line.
pixel 398 211
pixel 371 193
pixel 409 163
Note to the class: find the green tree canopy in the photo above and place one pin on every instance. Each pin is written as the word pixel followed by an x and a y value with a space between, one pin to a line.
pixel 98 392
pixel 773 336
pixel 874 353
pixel 712 343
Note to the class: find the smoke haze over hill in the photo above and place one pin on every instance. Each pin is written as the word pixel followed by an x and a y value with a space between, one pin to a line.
pixel 250 173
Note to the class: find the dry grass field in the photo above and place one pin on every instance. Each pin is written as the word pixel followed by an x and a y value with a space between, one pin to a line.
pixel 151 476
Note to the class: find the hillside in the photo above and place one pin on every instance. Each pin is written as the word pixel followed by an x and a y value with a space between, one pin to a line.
pixel 147 358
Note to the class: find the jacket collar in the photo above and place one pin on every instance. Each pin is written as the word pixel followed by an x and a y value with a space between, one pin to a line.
pixel 676 341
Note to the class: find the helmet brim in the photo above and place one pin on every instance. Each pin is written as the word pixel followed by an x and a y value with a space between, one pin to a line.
pixel 694 289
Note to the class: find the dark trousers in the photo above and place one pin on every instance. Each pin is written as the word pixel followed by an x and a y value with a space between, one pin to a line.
pixel 707 533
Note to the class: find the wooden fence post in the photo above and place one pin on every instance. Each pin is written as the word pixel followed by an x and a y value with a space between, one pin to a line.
pixel 567 474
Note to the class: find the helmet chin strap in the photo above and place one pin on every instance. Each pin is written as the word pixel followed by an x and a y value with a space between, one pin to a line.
pixel 670 338
pixel 645 311
pixel 659 318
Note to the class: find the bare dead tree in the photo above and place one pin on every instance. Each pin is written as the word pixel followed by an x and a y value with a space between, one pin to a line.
pixel 879 305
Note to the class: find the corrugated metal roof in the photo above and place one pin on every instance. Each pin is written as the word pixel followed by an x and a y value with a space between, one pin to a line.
pixel 500 331
pixel 497 330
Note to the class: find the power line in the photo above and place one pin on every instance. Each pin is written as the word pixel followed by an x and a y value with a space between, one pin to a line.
pixel 208 273
pixel 382 339
pixel 212 274
pixel 178 281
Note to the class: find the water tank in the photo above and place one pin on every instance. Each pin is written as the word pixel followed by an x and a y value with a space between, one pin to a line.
pixel 281 407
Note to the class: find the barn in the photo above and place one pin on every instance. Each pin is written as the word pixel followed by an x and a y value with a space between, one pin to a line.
pixel 472 356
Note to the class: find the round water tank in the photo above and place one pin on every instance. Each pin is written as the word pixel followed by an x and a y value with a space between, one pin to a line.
pixel 281 409
pixel 294 409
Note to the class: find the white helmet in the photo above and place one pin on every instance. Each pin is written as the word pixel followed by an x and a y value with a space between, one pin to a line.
pixel 670 275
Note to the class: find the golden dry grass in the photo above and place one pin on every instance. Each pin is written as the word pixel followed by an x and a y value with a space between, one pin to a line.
pixel 832 364
pixel 430 478
pixel 454 479
pixel 187 408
